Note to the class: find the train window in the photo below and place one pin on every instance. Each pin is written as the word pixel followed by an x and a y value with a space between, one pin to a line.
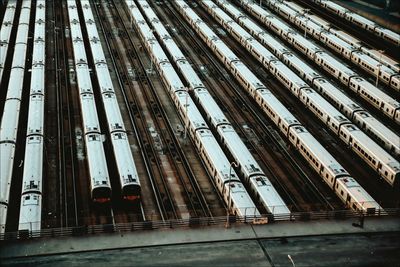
pixel 341 192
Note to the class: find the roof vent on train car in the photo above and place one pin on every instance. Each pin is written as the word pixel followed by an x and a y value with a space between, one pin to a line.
pixel 253 168
pixel 261 181
pixel 117 126
pixel 351 127
pixel 130 178
pixel 32 185
pixel 299 129
pixel 341 118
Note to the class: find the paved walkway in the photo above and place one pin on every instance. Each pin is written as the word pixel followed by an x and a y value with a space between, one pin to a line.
pixel 140 239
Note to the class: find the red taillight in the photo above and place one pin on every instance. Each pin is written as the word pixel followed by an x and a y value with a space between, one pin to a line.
pixel 102 200
pixel 131 198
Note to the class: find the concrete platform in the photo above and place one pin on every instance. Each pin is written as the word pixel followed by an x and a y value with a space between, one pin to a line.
pixel 314 243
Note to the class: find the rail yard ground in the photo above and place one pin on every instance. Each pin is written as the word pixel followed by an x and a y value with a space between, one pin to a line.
pixel 184 132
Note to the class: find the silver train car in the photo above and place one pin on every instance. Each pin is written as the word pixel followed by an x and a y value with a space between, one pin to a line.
pixel 380 161
pixel 320 159
pixel 218 166
pixel 382 58
pixel 5 33
pixel 10 117
pixel 380 100
pixel 128 176
pixel 98 173
pixel 374 128
pixel 348 51
pixel 30 214
pixel 360 21
pixel 248 166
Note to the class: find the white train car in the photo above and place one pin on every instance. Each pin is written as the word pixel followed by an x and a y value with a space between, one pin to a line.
pixel 10 117
pixel 360 21
pixel 394 65
pixel 286 122
pixel 97 165
pixel 5 33
pixel 32 179
pixel 374 128
pixel 248 166
pixel 385 74
pixel 327 113
pixel 384 59
pixel 384 136
pixel 128 176
pixel 387 167
pixel 217 164
pixel 380 100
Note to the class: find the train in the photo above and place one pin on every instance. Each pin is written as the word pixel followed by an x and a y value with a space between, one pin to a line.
pixel 295 15
pixel 10 118
pixel 219 168
pixel 376 54
pixel 30 212
pixel 387 166
pixel 248 167
pixel 338 179
pixel 360 21
pixel 364 89
pixel 128 175
pixel 100 186
pixel 5 33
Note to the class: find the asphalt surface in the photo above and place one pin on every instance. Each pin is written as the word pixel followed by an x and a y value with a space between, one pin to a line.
pixel 309 243
pixel 378 249
pixel 337 250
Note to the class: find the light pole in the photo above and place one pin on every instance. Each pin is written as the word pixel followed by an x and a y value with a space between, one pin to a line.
pixel 186 111
pixel 291 260
pixel 151 60
pixel 379 67
pixel 229 193
pixel 307 19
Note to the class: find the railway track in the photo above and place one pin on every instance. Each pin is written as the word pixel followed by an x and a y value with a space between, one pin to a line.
pixel 173 188
pixel 183 153
pixel 357 167
pixel 267 135
pixel 367 37
pixel 158 184
pixel 65 127
pixel 161 127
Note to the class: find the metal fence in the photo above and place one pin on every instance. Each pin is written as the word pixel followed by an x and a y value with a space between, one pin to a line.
pixel 193 222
